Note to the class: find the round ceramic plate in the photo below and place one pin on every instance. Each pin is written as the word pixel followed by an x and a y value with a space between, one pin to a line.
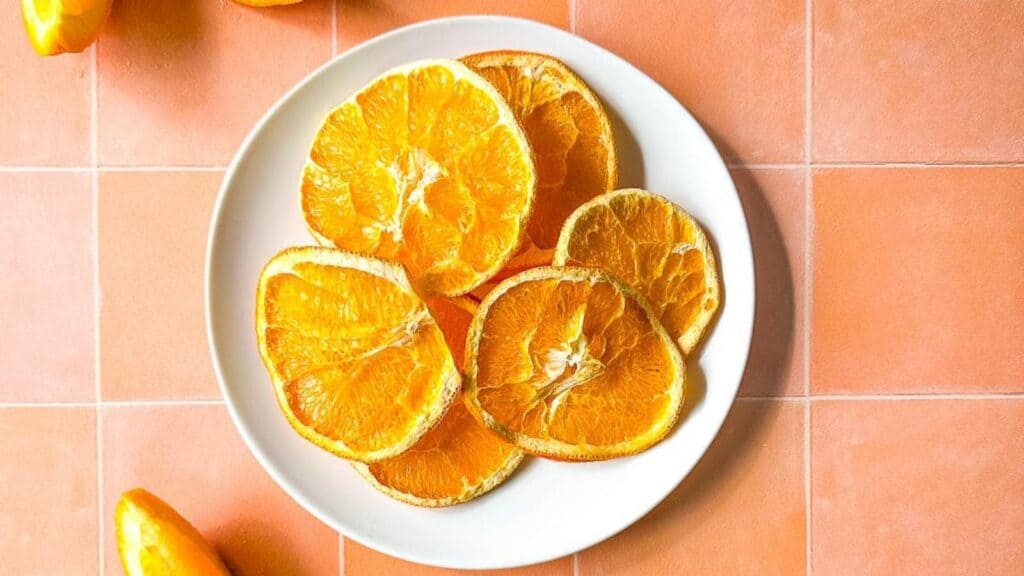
pixel 546 509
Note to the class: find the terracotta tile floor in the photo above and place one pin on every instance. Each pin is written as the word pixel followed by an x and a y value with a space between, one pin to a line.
pixel 880 429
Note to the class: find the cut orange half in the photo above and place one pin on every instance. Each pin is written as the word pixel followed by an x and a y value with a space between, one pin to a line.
pixel 154 540
pixel 359 366
pixel 459 459
pixel 58 26
pixel 426 165
pixel 568 363
pixel 655 247
pixel 568 130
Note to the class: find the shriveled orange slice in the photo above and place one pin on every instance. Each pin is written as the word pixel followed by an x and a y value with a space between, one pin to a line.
pixel 567 128
pixel 59 26
pixel 426 165
pixel 459 459
pixel 154 540
pixel 570 364
pixel 652 245
pixel 359 366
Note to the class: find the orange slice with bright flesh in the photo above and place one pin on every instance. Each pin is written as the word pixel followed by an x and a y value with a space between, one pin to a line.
pixel 459 459
pixel 359 366
pixel 154 540
pixel 568 130
pixel 655 247
pixel 58 26
pixel 425 165
pixel 568 363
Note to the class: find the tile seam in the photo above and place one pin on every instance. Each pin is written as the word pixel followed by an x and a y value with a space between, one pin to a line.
pixel 808 267
pixel 334 31
pixel 97 298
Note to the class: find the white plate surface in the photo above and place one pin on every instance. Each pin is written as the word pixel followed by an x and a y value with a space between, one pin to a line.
pixel 547 509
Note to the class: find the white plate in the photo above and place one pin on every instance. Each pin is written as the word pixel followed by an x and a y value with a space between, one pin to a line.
pixel 547 509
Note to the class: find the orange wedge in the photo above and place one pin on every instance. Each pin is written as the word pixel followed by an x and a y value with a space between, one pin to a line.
pixel 58 26
pixel 655 247
pixel 459 459
pixel 426 165
pixel 359 366
pixel 568 130
pixel 570 364
pixel 154 540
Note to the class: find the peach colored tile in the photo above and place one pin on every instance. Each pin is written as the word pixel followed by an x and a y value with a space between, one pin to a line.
pixel 918 81
pixel 918 487
pixel 741 511
pixel 152 234
pixel 47 293
pixel 737 66
pixel 775 202
pixel 192 457
pixel 918 280
pixel 362 561
pixel 359 20
pixel 48 491
pixel 44 103
pixel 183 82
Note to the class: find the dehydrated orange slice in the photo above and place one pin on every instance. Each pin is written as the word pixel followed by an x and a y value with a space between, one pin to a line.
pixel 154 540
pixel 652 245
pixel 58 26
pixel 459 459
pixel 359 365
pixel 426 165
pixel 570 364
pixel 567 127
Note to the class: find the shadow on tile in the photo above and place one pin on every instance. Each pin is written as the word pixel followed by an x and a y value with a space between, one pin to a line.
pixel 252 547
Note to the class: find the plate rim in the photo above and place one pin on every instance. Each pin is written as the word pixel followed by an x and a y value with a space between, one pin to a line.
pixel 212 239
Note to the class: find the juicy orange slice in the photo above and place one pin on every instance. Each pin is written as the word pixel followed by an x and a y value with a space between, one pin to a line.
pixel 359 366
pixel 154 540
pixel 570 364
pixel 655 247
pixel 58 26
pixel 459 459
pixel 567 128
pixel 426 165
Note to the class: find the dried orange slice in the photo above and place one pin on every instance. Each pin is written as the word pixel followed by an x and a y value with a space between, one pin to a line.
pixel 58 26
pixel 655 247
pixel 359 366
pixel 459 459
pixel 154 540
pixel 567 128
pixel 426 165
pixel 570 364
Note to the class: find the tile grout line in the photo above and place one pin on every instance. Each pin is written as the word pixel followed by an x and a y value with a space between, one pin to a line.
pixel 334 32
pixel 575 564
pixel 899 397
pixel 341 555
pixel 97 298
pixel 808 267
pixel 572 16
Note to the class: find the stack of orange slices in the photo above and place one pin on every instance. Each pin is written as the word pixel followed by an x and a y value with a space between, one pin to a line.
pixel 480 291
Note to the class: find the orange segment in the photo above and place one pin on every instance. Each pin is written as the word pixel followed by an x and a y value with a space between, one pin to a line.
pixel 154 540
pixel 567 128
pixel 359 366
pixel 655 247
pixel 58 26
pixel 568 363
pixel 426 165
pixel 459 459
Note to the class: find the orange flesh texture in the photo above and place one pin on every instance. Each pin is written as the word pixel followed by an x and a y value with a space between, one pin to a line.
pixel 154 540
pixel 418 168
pixel 58 26
pixel 647 243
pixel 359 359
pixel 575 361
pixel 567 128
pixel 458 453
